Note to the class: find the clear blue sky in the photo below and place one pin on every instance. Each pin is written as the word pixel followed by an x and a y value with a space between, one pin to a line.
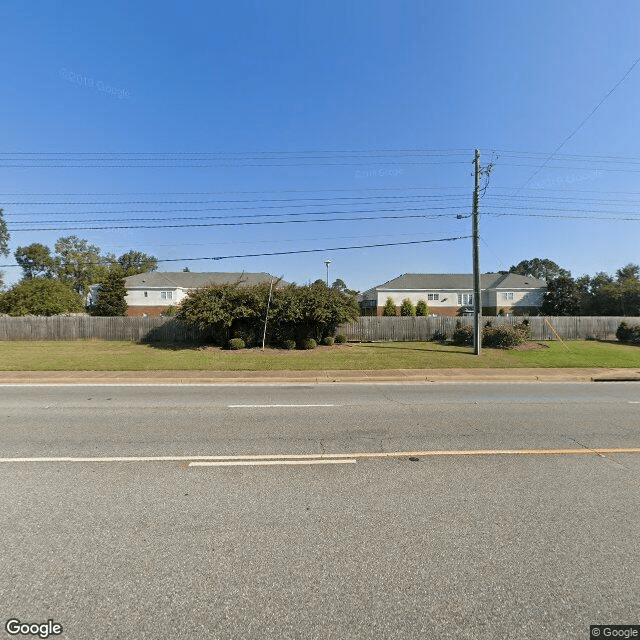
pixel 326 110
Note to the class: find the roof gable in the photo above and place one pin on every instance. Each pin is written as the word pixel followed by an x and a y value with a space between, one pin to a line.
pixel 454 281
pixel 191 280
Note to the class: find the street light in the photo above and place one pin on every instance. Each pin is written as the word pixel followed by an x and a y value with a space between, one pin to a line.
pixel 327 263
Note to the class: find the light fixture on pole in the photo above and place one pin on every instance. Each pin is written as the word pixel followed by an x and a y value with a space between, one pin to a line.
pixel 327 263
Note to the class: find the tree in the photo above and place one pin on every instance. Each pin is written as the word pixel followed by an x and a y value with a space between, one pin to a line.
pixel 389 308
pixel 541 268
pixel 562 297
pixel 407 308
pixel 40 297
pixel 422 309
pixel 134 262
pixel 628 272
pixel 35 260
pixel 339 285
pixel 110 296
pixel 80 263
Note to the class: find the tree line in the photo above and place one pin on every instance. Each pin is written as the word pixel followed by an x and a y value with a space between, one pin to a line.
pixel 600 295
pixel 59 281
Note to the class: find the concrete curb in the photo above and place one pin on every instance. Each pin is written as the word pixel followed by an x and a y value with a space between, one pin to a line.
pixel 319 377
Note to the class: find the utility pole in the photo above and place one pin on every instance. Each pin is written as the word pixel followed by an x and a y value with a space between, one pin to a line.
pixel 477 302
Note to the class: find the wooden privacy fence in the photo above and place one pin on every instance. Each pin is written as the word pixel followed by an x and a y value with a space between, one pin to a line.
pixel 365 329
pixel 139 329
pixel 399 329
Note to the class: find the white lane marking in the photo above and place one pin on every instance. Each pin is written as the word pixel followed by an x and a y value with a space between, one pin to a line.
pixel 634 402
pixel 334 456
pixel 257 463
pixel 270 406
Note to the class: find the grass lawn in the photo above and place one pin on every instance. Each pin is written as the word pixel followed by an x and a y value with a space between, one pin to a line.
pixel 128 356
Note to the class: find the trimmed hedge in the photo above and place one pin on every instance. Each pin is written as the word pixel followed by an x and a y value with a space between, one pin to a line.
pixel 328 341
pixel 341 338
pixel 308 343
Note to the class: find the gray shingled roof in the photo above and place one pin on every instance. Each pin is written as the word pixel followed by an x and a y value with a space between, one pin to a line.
pixel 190 280
pixel 454 281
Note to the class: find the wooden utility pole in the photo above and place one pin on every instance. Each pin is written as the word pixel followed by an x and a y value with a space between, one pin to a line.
pixel 477 302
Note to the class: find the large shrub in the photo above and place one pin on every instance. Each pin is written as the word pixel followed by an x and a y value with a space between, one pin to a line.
pixel 295 313
pixel 463 334
pixel 40 297
pixel 627 334
pixel 505 336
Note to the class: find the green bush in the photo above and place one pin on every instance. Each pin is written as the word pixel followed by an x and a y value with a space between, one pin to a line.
pixel 328 341
pixel 308 343
pixel 407 308
pixel 627 334
pixel 221 312
pixel 422 309
pixel 289 344
pixel 236 343
pixel 439 336
pixel 341 338
pixel 169 311
pixel 463 334
pixel 505 336
pixel 40 297
pixel 390 308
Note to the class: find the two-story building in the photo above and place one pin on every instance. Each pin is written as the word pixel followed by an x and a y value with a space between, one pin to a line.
pixel 449 293
pixel 152 293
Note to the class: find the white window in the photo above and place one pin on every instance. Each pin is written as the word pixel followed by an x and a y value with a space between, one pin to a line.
pixel 508 295
pixel 433 296
pixel 166 295
pixel 465 298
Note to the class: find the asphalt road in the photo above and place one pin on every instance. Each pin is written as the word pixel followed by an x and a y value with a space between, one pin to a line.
pixel 461 546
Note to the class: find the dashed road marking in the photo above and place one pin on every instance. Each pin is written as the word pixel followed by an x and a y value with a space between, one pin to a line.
pixel 272 406
pixel 258 463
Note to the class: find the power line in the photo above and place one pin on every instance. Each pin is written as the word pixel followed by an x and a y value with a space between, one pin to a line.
pixel 281 200
pixel 297 251
pixel 235 224
pixel 582 123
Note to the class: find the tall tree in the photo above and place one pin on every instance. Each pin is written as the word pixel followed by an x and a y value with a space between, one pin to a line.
pixel 541 268
pixel 339 285
pixel 110 296
pixel 562 297
pixel 628 272
pixel 134 262
pixel 80 263
pixel 35 260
